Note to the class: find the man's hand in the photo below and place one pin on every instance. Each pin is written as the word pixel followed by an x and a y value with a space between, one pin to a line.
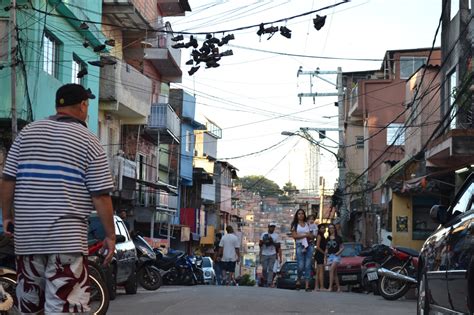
pixel 6 224
pixel 109 249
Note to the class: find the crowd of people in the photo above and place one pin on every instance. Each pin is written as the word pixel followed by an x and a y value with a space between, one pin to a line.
pixel 317 247
pixel 313 248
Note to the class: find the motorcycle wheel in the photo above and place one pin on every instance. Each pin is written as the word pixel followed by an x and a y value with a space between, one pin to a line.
pixel 99 300
pixel 8 282
pixel 422 304
pixel 149 278
pixel 392 289
pixel 171 277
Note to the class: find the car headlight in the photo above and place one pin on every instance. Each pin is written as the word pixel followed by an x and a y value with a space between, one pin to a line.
pixel 207 273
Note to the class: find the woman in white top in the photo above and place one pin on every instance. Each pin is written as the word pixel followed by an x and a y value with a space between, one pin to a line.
pixel 304 253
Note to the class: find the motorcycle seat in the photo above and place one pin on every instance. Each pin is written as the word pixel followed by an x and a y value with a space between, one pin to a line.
pixel 170 256
pixel 408 251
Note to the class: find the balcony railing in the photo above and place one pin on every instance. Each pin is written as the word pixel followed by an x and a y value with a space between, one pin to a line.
pixel 125 90
pixel 165 58
pixel 163 118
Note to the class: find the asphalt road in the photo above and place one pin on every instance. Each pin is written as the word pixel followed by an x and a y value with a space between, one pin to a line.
pixel 253 300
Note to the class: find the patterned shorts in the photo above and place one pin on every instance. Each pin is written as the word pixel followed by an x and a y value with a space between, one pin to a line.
pixel 55 283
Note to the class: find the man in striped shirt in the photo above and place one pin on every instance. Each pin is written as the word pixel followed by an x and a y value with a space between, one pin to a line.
pixel 56 173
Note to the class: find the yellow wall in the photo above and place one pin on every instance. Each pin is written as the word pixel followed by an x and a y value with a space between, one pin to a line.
pixel 402 206
pixel 209 239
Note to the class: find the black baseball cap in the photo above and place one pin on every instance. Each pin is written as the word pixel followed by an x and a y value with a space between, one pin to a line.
pixel 71 94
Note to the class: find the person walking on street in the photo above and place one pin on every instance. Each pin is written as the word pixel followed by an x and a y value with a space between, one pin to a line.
pixel 123 216
pixel 334 249
pixel 320 256
pixel 56 173
pixel 269 249
pixel 217 259
pixel 304 256
pixel 229 250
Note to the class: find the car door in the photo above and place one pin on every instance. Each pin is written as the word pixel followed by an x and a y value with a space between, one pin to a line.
pixel 435 266
pixel 126 253
pixel 121 256
pixel 460 245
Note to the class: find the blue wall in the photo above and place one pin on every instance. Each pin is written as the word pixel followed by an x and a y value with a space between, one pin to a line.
pixel 186 167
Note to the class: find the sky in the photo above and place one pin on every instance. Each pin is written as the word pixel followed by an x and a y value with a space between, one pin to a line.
pixel 252 96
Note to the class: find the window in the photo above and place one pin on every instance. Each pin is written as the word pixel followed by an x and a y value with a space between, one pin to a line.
pixel 50 54
pixel 465 201
pixel 423 225
pixel 454 8
pixel 4 27
pixel 452 84
pixel 395 132
pixel 359 142
pixel 77 65
pixel 188 141
pixel 408 65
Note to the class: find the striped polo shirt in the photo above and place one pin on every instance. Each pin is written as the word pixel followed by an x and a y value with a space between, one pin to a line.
pixel 58 164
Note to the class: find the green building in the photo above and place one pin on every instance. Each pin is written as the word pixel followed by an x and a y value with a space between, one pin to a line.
pixel 56 40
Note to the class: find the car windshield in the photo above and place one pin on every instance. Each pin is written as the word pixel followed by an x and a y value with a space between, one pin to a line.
pixel 289 267
pixel 206 262
pixel 351 250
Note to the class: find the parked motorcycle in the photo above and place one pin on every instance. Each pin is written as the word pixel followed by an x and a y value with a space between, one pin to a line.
pixel 175 267
pixel 196 262
pixel 99 296
pixel 392 269
pixel 148 275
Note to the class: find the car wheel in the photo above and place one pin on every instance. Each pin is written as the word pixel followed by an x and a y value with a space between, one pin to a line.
pixel 112 282
pixel 131 285
pixel 423 305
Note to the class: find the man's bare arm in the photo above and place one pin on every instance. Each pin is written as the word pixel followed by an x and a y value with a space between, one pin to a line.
pixel 104 208
pixel 7 192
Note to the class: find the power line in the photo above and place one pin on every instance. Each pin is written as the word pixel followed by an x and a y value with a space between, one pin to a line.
pixel 398 135
pixel 195 33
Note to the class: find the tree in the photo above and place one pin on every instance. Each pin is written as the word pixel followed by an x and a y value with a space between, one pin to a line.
pixel 290 189
pixel 260 185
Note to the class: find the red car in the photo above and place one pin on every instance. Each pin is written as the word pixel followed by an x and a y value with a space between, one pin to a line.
pixel 349 269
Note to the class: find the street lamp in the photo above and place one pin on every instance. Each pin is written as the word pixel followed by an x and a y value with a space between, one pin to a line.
pixel 340 160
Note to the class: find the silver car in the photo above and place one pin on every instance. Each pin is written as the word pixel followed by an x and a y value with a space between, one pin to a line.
pixel 208 270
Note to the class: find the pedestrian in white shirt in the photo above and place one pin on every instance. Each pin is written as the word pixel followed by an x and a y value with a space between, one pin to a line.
pixel 269 248
pixel 229 250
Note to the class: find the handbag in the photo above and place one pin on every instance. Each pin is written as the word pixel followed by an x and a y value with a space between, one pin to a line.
pixel 276 266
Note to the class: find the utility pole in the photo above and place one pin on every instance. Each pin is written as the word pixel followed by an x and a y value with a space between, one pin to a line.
pixel 345 215
pixel 13 69
pixel 340 155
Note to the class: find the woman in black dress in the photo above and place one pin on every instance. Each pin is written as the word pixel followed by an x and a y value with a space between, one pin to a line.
pixel 319 256
pixel 334 248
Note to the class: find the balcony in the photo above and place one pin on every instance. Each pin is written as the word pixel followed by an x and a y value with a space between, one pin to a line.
pixel 125 91
pixel 164 124
pixel 453 149
pixel 130 14
pixel 124 175
pixel 163 57
pixel 173 7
